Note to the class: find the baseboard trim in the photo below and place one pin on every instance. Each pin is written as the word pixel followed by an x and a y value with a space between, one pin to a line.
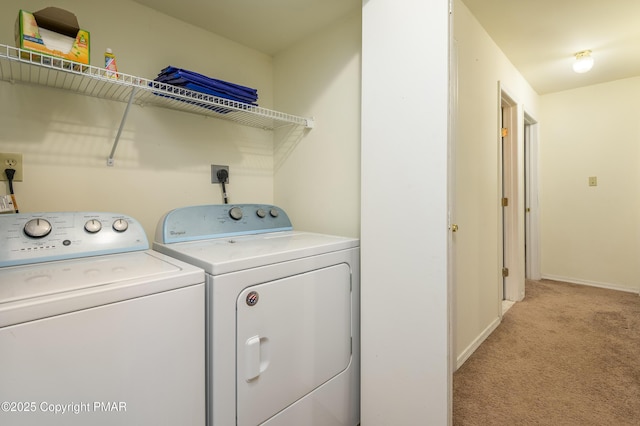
pixel 477 342
pixel 590 283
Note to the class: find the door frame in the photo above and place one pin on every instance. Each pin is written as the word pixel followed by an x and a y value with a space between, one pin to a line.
pixel 532 201
pixel 451 195
pixel 511 181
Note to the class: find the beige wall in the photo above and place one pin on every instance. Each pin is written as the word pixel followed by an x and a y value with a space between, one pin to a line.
pixel 591 235
pixel 317 178
pixel 163 158
pixel 478 244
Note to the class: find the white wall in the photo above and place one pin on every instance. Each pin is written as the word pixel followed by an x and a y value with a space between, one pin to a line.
pixel 591 235
pixel 317 178
pixel 405 368
pixel 164 157
pixel 478 243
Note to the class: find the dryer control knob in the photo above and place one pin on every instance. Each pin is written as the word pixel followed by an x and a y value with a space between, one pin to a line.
pixel 274 213
pixel 235 213
pixel 120 225
pixel 261 213
pixel 92 226
pixel 37 228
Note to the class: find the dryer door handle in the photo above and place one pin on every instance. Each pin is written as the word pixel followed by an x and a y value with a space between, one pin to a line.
pixel 252 358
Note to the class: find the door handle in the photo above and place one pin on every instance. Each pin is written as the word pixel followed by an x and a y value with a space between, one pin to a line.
pixel 454 228
pixel 256 357
pixel 252 360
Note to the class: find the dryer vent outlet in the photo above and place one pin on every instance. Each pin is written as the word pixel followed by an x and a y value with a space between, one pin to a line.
pixel 214 173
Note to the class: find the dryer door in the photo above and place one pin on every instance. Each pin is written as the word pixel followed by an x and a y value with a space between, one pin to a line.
pixel 293 335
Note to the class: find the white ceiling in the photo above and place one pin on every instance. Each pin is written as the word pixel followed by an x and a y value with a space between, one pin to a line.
pixel 264 25
pixel 540 37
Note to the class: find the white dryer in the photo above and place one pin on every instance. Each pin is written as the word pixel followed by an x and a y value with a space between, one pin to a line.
pixel 95 328
pixel 282 315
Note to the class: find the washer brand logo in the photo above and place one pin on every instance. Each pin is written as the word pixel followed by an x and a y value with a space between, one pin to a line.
pixel 252 298
pixel 177 232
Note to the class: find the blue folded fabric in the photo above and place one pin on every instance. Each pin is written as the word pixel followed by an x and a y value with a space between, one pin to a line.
pixel 210 91
pixel 200 83
pixel 206 81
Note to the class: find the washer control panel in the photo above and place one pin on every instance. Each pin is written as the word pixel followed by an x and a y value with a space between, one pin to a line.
pixel 41 237
pixel 220 220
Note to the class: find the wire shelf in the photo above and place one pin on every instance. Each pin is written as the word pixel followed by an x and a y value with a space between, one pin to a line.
pixel 23 66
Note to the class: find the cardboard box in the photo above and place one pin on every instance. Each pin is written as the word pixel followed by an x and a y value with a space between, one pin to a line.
pixel 55 32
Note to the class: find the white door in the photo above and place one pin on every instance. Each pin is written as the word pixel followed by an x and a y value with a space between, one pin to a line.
pixel 293 335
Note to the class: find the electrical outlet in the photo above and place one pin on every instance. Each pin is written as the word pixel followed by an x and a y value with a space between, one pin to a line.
pixel 11 161
pixel 214 173
pixel 593 181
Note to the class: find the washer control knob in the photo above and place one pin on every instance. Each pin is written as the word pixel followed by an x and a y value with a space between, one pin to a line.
pixel 37 228
pixel 120 225
pixel 274 213
pixel 235 213
pixel 92 226
pixel 261 213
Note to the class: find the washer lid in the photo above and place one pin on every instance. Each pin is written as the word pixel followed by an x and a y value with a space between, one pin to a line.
pixel 223 255
pixel 45 289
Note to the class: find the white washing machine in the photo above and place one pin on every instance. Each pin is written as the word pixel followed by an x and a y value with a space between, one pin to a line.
pixel 95 328
pixel 282 315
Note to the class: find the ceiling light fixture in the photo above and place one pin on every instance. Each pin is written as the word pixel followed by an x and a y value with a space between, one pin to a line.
pixel 584 62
